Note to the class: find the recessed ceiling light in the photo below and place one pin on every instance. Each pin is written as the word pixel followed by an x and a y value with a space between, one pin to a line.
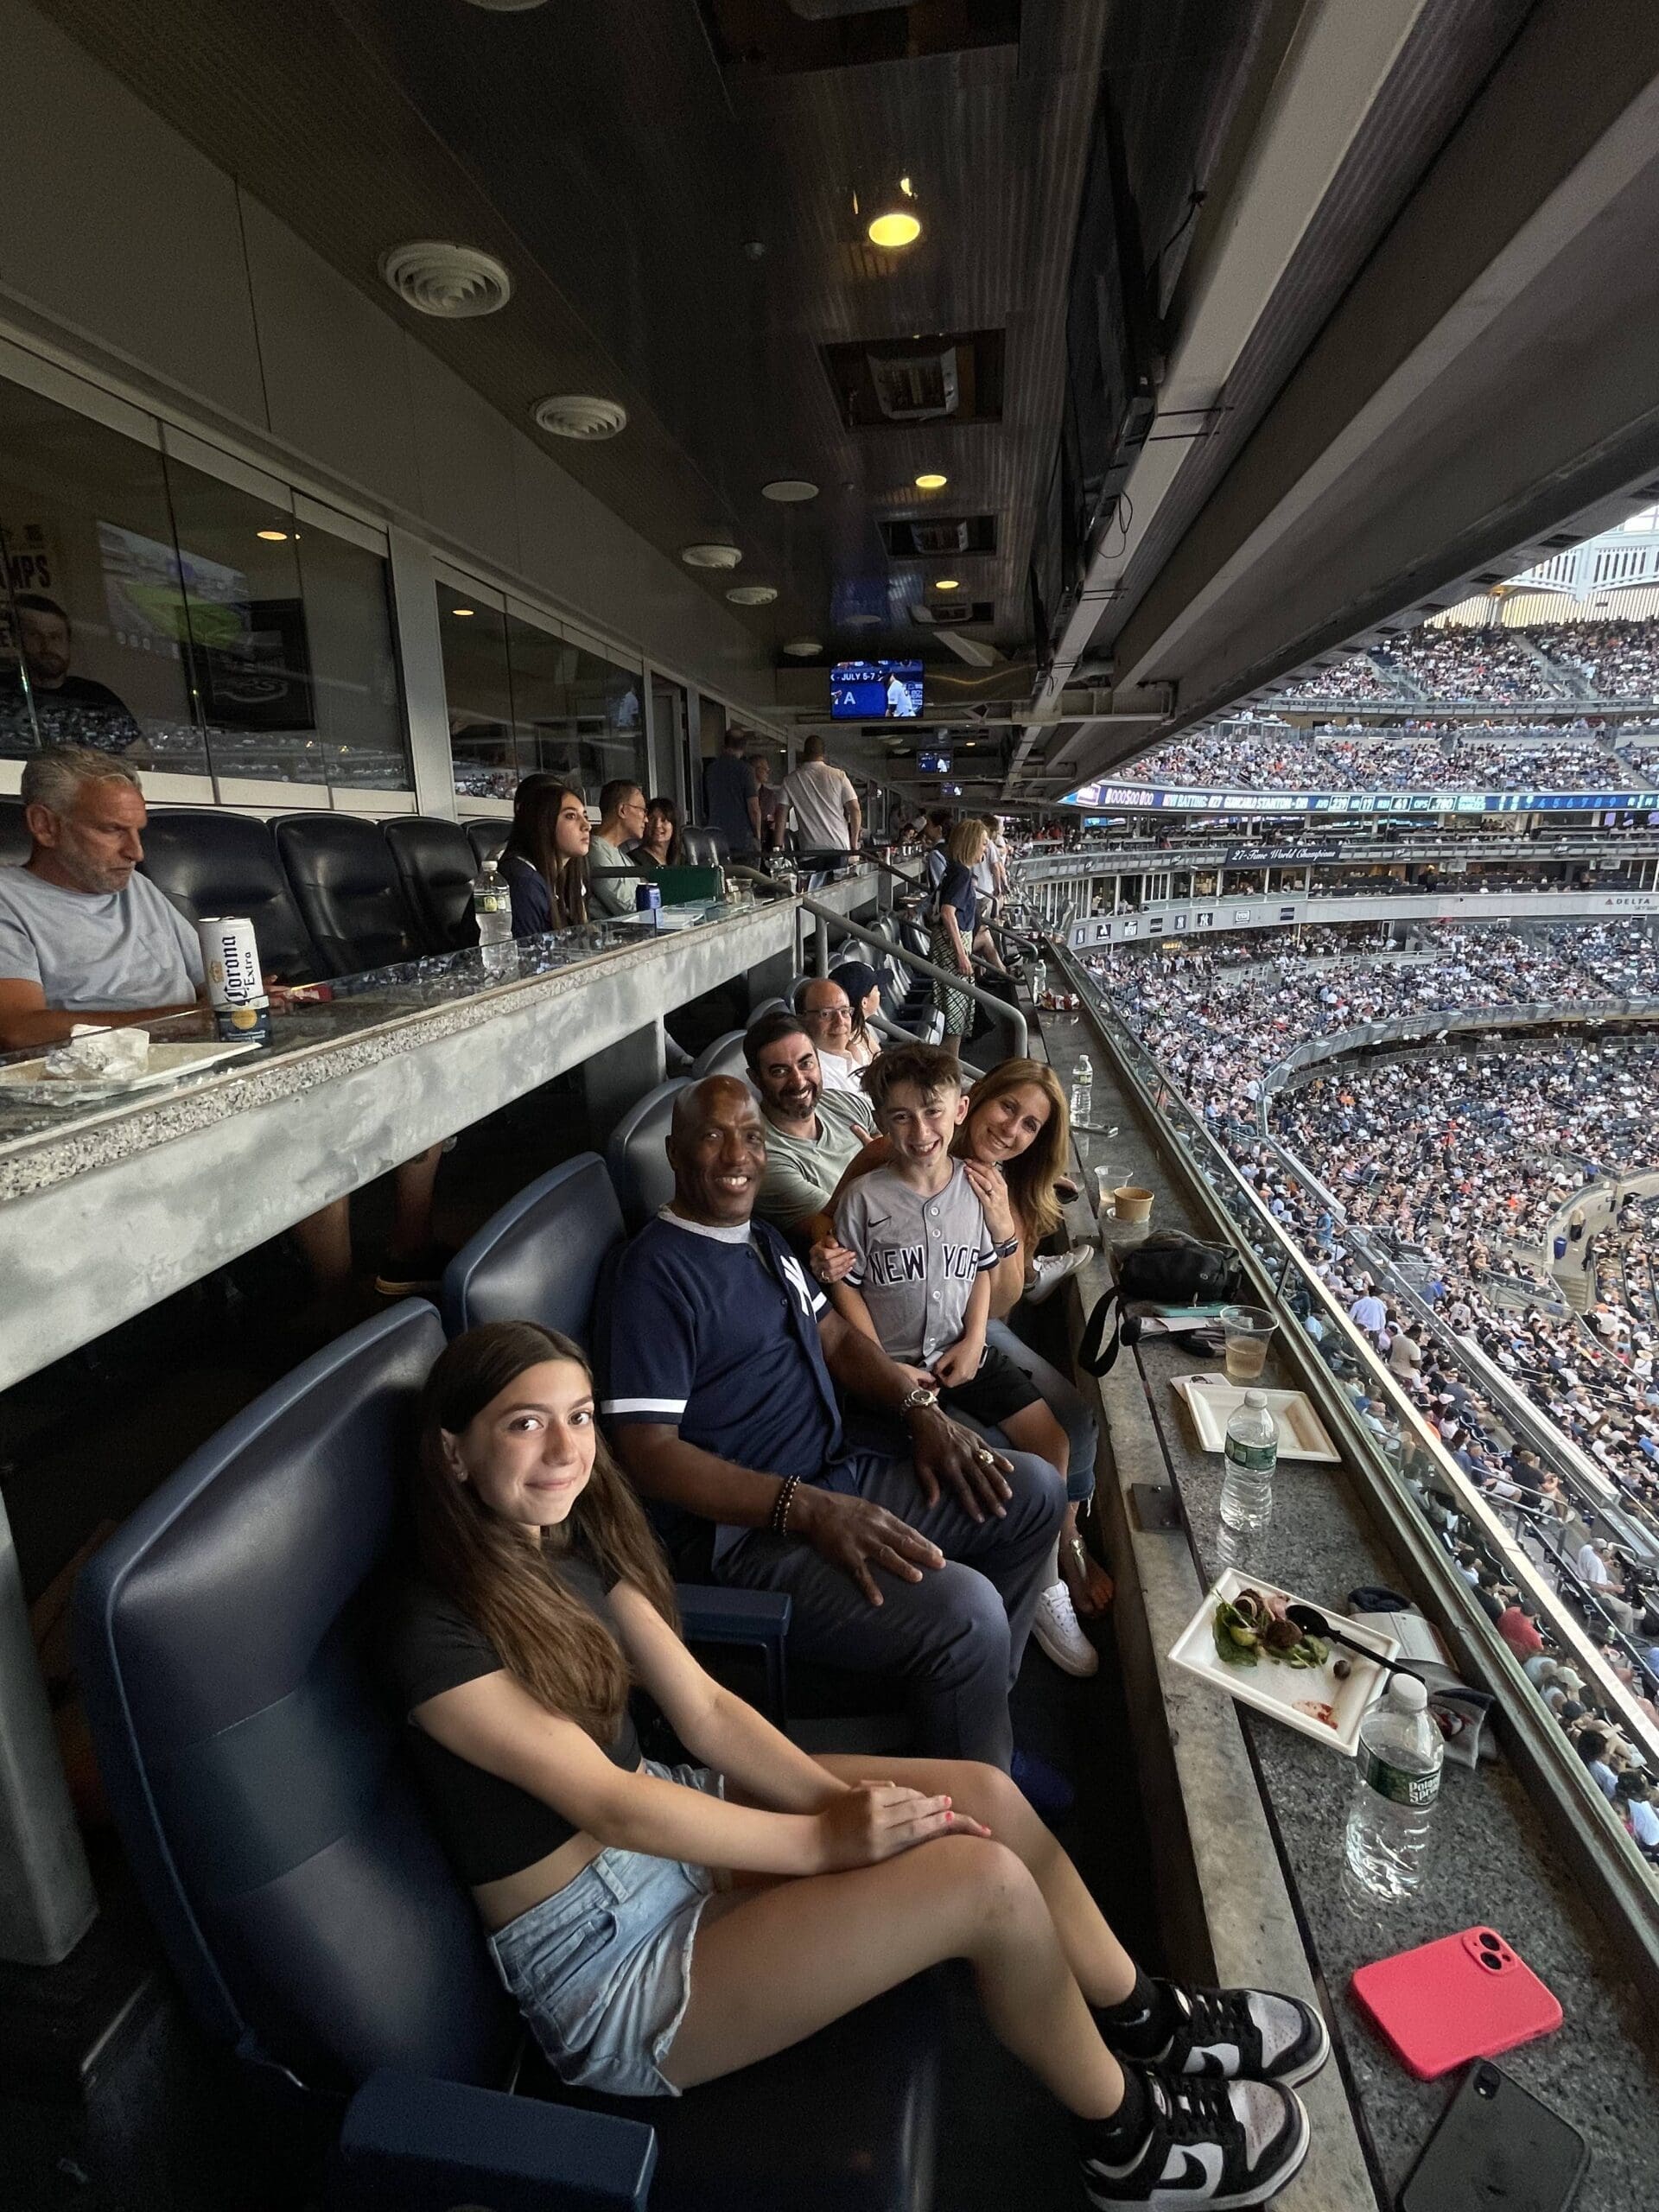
pixel 752 594
pixel 463 610
pixel 895 222
pixel 272 536
pixel 931 481
pixel 711 554
pixel 789 491
pixel 947 583
pixel 862 621
pixel 435 277
pixel 580 414
pixel 801 648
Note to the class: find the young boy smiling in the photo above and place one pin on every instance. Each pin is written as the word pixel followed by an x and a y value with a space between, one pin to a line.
pixel 921 1286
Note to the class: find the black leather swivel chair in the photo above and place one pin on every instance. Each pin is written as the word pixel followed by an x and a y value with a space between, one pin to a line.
pixel 487 836
pixel 14 834
pixel 435 865
pixel 260 1787
pixel 209 861
pixel 702 848
pixel 345 882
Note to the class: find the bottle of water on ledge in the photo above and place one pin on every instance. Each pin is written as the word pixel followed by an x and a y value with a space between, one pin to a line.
pixel 1252 1454
pixel 1396 1782
pixel 1082 1103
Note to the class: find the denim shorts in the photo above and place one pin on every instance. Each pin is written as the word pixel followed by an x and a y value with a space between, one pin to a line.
pixel 602 1970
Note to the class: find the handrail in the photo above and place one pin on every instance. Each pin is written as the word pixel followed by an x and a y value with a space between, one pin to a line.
pixel 1002 1009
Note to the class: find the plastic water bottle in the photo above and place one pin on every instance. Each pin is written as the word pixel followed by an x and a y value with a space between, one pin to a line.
pixel 1083 1091
pixel 1252 1451
pixel 1396 1782
pixel 492 905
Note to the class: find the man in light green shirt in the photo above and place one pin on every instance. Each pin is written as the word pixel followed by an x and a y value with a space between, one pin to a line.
pixel 812 1134
pixel 621 816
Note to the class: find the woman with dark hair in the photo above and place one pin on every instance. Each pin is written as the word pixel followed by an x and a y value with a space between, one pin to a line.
pixel 545 860
pixel 605 1878
pixel 862 985
pixel 661 846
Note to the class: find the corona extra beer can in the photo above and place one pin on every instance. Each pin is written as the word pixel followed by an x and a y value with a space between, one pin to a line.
pixel 230 959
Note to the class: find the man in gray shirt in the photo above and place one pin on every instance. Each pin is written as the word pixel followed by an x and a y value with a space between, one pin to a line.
pixel 83 938
pixel 612 877
pixel 812 1134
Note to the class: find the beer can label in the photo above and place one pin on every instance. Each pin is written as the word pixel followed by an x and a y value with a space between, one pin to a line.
pixel 230 956
pixel 246 1023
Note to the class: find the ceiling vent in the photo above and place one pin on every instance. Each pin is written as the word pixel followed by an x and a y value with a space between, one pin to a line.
pixel 576 415
pixel 894 384
pixel 1487 578
pixel 752 595
pixel 508 7
pixel 452 281
pixel 786 36
pixel 940 534
pixel 1563 542
pixel 711 555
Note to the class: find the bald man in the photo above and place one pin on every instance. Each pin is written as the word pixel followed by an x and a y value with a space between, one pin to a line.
pixel 922 1563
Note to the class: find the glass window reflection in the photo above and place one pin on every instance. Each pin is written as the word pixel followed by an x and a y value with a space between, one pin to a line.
pixel 479 695
pixel 97 650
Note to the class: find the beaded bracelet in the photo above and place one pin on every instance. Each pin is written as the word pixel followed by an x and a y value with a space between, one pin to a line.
pixel 781 1504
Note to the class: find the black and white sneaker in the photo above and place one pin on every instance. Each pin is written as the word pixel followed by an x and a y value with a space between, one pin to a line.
pixel 1232 2035
pixel 1210 2144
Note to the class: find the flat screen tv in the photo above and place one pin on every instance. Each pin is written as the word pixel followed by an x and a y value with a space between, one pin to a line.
pixel 875 691
pixel 933 764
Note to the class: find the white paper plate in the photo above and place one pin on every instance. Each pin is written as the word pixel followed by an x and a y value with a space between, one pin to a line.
pixel 1276 1689
pixel 28 1083
pixel 1212 1400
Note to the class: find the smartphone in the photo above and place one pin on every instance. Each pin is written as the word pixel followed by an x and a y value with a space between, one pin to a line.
pixel 1467 1996
pixel 1496 2145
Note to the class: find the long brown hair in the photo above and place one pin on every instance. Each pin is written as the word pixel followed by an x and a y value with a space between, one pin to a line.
pixel 548 1640
pixel 535 838
pixel 1030 1177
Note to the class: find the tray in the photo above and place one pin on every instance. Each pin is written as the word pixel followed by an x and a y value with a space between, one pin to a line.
pixel 26 1081
pixel 1275 1690
pixel 1212 1400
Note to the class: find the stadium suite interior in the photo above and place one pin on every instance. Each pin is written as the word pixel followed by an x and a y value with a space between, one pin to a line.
pixel 1216 442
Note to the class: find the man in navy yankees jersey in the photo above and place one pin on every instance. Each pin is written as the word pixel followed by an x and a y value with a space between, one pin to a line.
pixel 721 1361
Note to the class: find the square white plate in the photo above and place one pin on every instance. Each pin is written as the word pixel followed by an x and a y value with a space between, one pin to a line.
pixel 1276 1689
pixel 27 1082
pixel 1212 1400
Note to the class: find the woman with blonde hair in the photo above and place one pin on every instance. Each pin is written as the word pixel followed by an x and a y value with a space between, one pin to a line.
pixel 606 1881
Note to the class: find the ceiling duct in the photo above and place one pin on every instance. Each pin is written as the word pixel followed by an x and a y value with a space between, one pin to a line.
pixel 916 388
pixel 437 277
pixel 578 415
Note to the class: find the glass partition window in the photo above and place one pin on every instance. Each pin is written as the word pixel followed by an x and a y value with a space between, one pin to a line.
pixel 95 654
pixel 154 611
pixel 524 702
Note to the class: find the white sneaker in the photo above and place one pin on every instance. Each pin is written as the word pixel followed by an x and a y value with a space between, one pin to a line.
pixel 1049 1270
pixel 1057 1628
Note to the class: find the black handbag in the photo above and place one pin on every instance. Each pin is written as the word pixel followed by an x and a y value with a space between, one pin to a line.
pixel 1170 1269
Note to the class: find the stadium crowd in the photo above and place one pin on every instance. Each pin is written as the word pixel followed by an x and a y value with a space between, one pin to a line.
pixel 1419 756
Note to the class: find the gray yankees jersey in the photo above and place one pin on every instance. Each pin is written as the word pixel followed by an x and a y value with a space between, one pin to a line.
pixel 919 1258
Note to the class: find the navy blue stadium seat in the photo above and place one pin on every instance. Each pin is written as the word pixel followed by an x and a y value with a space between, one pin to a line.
pixel 539 1258
pixel 636 1155
pixel 435 865
pixel 211 861
pixel 345 881
pixel 258 1780
pixel 723 1057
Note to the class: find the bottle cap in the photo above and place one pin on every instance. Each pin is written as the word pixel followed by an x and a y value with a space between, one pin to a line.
pixel 1406 1691
pixel 1255 1397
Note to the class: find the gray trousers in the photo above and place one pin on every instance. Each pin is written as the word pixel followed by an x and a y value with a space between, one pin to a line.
pixel 954 1640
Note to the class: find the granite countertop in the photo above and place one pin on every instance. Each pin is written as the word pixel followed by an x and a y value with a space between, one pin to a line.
pixel 371 1018
pixel 1491 1860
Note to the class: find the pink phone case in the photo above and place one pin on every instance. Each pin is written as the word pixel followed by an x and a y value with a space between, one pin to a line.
pixel 1466 1996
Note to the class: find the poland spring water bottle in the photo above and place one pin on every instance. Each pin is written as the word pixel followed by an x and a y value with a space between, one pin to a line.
pixel 1396 1782
pixel 492 905
pixel 1252 1450
pixel 1083 1091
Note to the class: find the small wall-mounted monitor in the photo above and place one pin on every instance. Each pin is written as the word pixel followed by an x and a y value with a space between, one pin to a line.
pixel 933 764
pixel 875 690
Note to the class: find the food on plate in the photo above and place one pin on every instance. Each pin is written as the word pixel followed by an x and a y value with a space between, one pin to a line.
pixel 1342 1668
pixel 1317 1709
pixel 1252 1625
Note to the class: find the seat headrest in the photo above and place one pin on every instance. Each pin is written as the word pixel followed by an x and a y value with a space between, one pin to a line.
pixel 209 861
pixel 345 882
pixel 539 1259
pixel 437 865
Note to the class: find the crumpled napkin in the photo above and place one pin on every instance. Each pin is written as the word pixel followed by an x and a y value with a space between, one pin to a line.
pixel 92 1053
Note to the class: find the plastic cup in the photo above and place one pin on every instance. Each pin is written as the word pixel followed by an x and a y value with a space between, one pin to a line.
pixel 1246 1331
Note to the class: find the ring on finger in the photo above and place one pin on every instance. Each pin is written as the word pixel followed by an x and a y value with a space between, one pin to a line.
pixel 986 1459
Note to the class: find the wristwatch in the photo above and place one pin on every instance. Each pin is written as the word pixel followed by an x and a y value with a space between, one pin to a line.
pixel 914 1401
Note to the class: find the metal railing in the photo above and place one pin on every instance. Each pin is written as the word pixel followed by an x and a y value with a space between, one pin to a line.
pixel 1001 1009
